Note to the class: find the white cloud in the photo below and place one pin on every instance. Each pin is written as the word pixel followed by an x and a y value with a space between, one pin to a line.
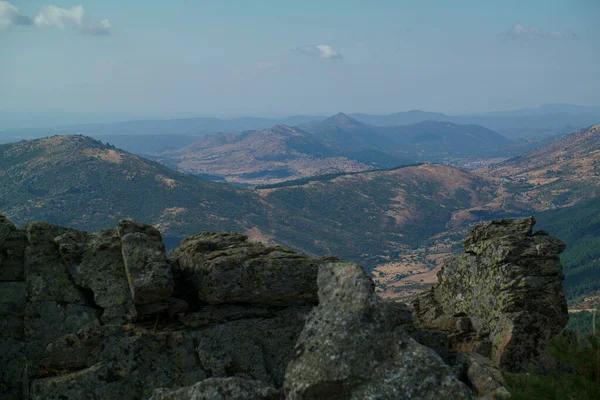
pixel 322 51
pixel 56 17
pixel 520 32
pixel 10 15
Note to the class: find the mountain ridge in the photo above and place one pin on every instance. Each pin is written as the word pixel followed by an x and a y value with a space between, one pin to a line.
pixel 83 183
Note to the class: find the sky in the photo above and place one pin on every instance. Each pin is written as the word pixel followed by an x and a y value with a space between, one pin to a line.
pixel 272 58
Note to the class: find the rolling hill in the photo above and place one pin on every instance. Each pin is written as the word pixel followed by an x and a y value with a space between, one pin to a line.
pixel 345 133
pixel 546 120
pixel 273 155
pixel 376 215
pixel 80 182
pixel 558 175
pixel 429 140
pixel 366 217
pixel 337 144
pixel 400 223
pixel 438 141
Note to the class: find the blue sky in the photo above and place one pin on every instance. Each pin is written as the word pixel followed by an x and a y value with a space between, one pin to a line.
pixel 228 58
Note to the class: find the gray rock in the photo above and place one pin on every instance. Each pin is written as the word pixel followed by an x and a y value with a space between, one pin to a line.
pixel 220 389
pixel 253 348
pixel 223 268
pixel 119 362
pixel 171 306
pixel 482 374
pixel 349 350
pixel 12 251
pixel 95 262
pixel 147 267
pixel 47 276
pixel 46 321
pixel 508 283
pixel 6 227
pixel 13 299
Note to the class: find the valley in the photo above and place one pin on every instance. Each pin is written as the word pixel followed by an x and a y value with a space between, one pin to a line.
pixel 400 223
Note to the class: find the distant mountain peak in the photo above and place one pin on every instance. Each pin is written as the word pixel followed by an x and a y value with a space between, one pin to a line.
pixel 341 115
pixel 343 120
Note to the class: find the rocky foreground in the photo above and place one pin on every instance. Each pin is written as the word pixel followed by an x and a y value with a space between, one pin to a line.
pixel 108 315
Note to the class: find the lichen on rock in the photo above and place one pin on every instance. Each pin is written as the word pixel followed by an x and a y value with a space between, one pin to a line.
pixel 351 349
pixel 108 315
pixel 504 294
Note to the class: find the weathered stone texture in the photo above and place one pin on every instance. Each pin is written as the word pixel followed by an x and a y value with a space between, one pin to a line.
pixel 350 348
pixel 146 265
pixel 108 315
pixel 95 262
pixel 225 268
pixel 504 294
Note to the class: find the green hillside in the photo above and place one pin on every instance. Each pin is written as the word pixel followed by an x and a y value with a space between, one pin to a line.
pixel 373 216
pixel 79 182
pixel 365 217
pixel 579 228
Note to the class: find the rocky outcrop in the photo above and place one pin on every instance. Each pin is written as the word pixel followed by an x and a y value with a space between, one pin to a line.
pixel 108 315
pixel 224 268
pixel 503 297
pixel 95 262
pixel 354 347
pixel 146 264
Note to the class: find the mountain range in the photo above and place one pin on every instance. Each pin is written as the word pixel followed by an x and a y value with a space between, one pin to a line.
pixel 272 155
pixel 337 144
pixel 549 119
pixel 80 182
pixel 398 222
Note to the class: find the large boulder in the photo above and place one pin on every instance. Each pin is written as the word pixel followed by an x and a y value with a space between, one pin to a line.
pixel 225 268
pixel 355 347
pixel 503 297
pixel 146 265
pixel 47 276
pixel 95 262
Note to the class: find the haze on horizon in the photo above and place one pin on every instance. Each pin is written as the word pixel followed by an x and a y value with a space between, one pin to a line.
pixel 272 58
